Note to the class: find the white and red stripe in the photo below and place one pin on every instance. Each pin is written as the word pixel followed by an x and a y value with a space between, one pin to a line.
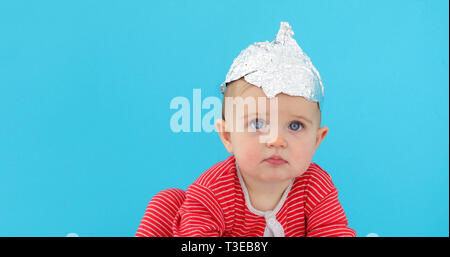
pixel 214 205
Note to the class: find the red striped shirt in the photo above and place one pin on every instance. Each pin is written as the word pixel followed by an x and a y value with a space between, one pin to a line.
pixel 214 205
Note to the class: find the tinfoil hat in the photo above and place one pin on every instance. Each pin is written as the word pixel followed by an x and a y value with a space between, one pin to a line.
pixel 279 66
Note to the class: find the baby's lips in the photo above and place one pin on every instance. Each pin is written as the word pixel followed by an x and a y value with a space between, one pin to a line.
pixel 276 157
pixel 275 162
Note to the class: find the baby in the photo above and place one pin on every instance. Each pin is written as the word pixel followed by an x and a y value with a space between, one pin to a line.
pixel 269 186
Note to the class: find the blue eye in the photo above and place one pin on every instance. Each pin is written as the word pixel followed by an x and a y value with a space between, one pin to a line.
pixel 295 126
pixel 258 124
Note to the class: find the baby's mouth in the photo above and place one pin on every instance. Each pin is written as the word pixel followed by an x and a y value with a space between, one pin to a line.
pixel 275 160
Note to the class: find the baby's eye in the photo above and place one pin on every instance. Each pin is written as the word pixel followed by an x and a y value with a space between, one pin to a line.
pixel 296 125
pixel 257 124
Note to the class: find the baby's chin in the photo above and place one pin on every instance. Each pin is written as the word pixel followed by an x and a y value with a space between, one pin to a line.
pixel 277 174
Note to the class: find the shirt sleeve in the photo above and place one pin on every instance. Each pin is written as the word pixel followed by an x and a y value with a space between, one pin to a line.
pixel 200 215
pixel 327 218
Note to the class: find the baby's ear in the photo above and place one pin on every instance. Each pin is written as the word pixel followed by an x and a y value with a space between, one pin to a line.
pixel 321 134
pixel 219 123
pixel 224 135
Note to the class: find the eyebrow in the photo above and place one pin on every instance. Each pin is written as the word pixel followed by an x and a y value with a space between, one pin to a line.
pixel 303 118
pixel 297 116
pixel 250 114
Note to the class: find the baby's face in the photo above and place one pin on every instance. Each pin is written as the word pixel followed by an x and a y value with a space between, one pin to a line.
pixel 296 139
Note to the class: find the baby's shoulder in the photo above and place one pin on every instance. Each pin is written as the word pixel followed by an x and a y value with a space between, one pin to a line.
pixel 221 171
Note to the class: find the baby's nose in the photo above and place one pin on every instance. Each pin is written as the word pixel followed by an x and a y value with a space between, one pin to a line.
pixel 278 141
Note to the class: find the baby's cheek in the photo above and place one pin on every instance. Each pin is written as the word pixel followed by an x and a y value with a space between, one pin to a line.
pixel 252 155
pixel 248 155
pixel 302 159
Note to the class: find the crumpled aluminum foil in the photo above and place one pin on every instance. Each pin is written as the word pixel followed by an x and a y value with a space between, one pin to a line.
pixel 279 66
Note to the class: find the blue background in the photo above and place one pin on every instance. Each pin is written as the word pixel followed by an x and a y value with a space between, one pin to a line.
pixel 85 87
